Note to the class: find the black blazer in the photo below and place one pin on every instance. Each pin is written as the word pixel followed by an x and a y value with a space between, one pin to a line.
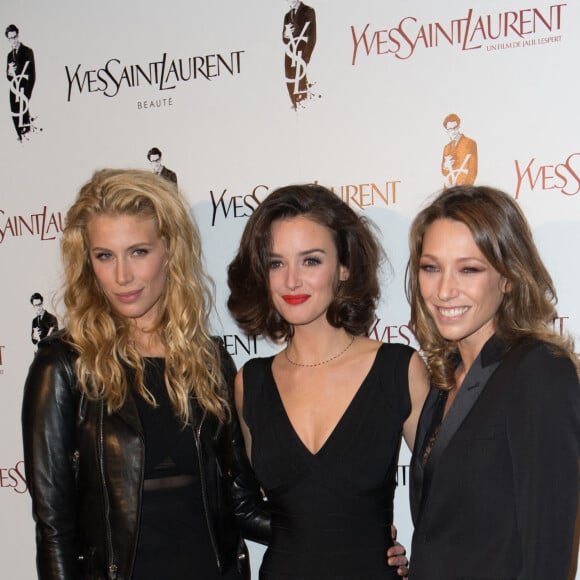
pixel 498 494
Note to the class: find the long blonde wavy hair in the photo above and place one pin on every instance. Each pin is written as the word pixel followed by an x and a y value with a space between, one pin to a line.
pixel 501 232
pixel 102 337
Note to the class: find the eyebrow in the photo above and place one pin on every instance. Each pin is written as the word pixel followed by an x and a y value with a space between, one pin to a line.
pixel 304 253
pixel 131 247
pixel 463 259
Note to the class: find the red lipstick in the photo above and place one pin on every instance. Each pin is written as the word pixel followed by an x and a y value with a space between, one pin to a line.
pixel 295 298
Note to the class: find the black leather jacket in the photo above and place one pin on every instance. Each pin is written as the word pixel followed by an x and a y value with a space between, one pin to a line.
pixel 84 469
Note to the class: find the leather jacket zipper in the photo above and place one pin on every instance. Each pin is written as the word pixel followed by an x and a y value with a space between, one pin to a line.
pixel 112 567
pixel 138 523
pixel 197 438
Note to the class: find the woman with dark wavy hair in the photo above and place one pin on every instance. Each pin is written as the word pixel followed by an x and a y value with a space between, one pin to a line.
pixel 494 486
pixel 322 420
pixel 130 446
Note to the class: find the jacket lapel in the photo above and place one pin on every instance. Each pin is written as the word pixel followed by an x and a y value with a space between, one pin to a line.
pixel 129 413
pixel 473 385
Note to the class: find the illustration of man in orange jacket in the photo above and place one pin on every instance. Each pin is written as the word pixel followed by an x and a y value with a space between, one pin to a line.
pixel 459 164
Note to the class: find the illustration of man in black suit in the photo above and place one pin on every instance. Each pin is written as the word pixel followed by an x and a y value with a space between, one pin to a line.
pixel 43 323
pixel 299 36
pixel 154 156
pixel 21 74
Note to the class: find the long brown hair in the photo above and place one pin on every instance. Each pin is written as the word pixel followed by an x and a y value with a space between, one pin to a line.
pixel 502 233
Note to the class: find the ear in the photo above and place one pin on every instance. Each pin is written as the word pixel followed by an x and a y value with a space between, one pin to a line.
pixel 343 273
pixel 505 285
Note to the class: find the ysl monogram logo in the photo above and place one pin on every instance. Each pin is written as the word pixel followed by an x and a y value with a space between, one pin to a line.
pixel 21 98
pixel 295 55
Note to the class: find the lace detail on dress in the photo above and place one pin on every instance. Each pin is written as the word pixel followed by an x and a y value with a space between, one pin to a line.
pixel 430 443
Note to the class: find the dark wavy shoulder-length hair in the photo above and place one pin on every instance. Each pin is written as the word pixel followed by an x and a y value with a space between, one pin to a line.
pixel 354 304
pixel 502 233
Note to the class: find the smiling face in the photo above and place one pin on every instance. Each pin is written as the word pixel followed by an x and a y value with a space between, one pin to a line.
pixel 130 263
pixel 460 288
pixel 304 270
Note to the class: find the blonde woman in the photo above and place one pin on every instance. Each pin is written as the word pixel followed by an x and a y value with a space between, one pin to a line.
pixel 126 416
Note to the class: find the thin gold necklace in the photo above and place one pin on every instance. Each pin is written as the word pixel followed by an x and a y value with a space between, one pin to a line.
pixel 297 364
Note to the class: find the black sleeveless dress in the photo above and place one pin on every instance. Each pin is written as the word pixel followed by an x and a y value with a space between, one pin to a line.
pixel 331 511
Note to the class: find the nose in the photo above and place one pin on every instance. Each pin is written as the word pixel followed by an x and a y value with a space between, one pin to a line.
pixel 292 277
pixel 447 286
pixel 123 274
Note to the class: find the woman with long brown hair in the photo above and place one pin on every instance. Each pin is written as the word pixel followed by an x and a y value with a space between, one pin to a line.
pixel 494 486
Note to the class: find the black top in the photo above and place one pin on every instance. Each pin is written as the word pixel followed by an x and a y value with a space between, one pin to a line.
pixel 173 535
pixel 168 446
pixel 332 510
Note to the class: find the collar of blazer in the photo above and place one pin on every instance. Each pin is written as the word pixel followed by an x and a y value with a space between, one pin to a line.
pixel 473 385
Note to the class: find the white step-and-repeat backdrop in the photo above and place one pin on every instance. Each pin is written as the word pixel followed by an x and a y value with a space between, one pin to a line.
pixel 385 101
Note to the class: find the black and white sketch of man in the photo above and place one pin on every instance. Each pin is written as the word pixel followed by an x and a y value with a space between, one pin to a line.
pixel 21 74
pixel 154 156
pixel 43 323
pixel 299 37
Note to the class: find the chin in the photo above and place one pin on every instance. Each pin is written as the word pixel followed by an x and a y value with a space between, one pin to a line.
pixel 450 334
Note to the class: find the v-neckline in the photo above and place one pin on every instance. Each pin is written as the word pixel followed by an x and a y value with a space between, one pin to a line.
pixel 342 417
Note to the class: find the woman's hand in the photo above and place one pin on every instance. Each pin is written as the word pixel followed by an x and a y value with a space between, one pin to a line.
pixel 396 555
